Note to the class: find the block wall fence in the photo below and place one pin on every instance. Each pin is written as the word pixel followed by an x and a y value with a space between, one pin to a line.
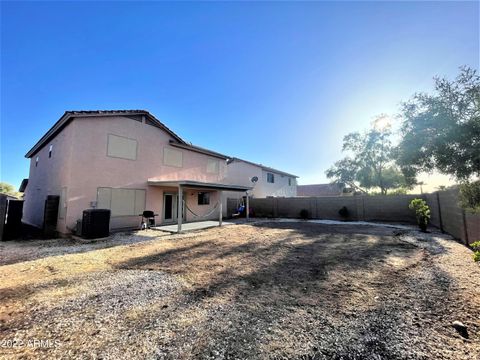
pixel 446 214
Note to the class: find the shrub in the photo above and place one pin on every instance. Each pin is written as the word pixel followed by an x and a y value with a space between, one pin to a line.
pixel 470 196
pixel 304 214
pixel 343 212
pixel 476 250
pixel 422 212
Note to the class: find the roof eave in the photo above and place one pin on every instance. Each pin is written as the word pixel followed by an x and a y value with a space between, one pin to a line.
pixel 56 127
pixel 68 115
pixel 200 150
pixel 266 168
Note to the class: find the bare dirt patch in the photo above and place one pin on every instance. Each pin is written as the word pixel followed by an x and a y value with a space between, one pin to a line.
pixel 271 290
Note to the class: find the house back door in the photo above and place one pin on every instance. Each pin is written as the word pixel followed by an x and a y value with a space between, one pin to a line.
pixel 168 207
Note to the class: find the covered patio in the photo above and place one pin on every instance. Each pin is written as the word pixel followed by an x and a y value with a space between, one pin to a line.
pixel 183 185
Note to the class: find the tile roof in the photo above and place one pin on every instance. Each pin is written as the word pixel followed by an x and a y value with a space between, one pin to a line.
pixel 267 168
pixel 69 115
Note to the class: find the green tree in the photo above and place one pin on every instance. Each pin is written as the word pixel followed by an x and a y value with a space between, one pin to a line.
pixel 442 130
pixel 370 164
pixel 6 188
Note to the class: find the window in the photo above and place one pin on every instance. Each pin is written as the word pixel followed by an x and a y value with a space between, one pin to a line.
pixel 270 178
pixel 36 161
pixel 289 181
pixel 172 157
pixel 121 147
pixel 203 198
pixel 122 202
pixel 212 166
pixel 50 151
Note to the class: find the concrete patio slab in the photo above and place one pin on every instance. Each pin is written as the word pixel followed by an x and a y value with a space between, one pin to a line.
pixel 193 226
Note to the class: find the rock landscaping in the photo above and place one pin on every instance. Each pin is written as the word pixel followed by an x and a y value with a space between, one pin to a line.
pixel 270 290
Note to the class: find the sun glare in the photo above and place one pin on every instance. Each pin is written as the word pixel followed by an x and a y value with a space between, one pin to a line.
pixel 382 122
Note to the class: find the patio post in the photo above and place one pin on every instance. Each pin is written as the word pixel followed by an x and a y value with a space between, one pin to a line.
pixel 220 208
pixel 180 208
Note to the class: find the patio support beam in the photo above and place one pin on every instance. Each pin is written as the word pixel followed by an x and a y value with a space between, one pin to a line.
pixel 180 208
pixel 220 208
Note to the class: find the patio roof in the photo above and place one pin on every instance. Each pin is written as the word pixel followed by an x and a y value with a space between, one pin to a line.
pixel 197 185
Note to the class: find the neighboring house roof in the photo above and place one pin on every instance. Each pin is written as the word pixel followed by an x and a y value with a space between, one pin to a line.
pixel 10 197
pixel 266 168
pixel 70 115
pixel 320 190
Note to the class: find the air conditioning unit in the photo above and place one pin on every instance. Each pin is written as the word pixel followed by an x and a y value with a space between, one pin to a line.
pixel 95 223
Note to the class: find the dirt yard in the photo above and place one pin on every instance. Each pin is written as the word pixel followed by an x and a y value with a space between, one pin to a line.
pixel 271 290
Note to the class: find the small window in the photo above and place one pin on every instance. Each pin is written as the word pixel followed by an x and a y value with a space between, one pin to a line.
pixel 203 198
pixel 172 157
pixel 121 147
pixel 212 166
pixel 50 151
pixel 270 178
pixel 36 161
pixel 289 181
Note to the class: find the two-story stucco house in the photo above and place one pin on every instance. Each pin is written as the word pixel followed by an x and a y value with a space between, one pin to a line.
pixel 126 161
pixel 269 181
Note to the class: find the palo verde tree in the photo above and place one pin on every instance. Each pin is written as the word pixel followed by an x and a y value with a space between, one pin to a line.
pixel 442 130
pixel 370 163
pixel 8 189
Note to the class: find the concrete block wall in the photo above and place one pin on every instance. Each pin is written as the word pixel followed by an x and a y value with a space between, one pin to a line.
pixel 361 208
pixel 446 214
pixel 451 218
pixel 389 208
pixel 473 227
pixel 435 215
pixel 327 207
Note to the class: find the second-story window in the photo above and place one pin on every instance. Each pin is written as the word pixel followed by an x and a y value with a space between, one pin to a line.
pixel 289 181
pixel 172 157
pixel 36 161
pixel 50 149
pixel 270 178
pixel 212 166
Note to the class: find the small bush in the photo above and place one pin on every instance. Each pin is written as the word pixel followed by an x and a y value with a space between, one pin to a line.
pixel 422 212
pixel 476 250
pixel 343 212
pixel 304 214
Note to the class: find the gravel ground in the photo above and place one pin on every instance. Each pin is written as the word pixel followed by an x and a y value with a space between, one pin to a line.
pixel 269 290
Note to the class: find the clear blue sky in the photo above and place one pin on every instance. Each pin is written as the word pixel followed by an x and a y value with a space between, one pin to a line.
pixel 276 83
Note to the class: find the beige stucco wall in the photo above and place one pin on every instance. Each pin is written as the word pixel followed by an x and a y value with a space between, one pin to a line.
pixel 279 188
pixel 82 165
pixel 240 173
pixel 48 177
